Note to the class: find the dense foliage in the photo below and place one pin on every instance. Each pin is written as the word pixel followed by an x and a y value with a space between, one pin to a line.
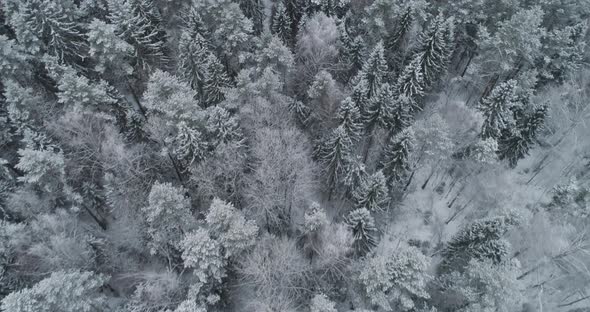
pixel 294 155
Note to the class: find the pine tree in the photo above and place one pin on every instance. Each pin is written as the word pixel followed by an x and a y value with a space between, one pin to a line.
pixel 192 23
pixel 192 55
pixel 496 109
pixel 214 81
pixel 480 240
pixel 410 83
pixel 395 160
pixel 380 109
pixel 363 229
pixel 49 26
pixel 254 10
pixel 349 118
pixel 355 174
pixel 360 91
pixel 352 51
pixel 435 47
pixel 373 193
pixel 140 24
pixel 399 114
pixel 394 40
pixel 333 153
pixel 374 70
pixel 514 144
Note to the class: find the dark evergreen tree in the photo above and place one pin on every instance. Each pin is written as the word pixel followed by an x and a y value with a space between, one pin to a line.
pixel 395 160
pixel 192 57
pixel 394 42
pixel 364 231
pixel 496 109
pixel 349 118
pixel 215 80
pixel 282 24
pixel 254 10
pixel 374 70
pixel 372 193
pixel 380 108
pixel 435 46
pixel 514 144
pixel 49 26
pixel 140 24
pixel 481 240
pixel 333 152
pixel 410 84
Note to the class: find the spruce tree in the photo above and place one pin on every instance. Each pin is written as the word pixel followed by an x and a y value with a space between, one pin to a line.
pixel 373 193
pixel 355 174
pixel 395 160
pixel 214 81
pixel 394 40
pixel 282 24
pixel 254 10
pixel 410 83
pixel 374 70
pixel 380 109
pixel 364 232
pixel 349 118
pixel 399 114
pixel 435 46
pixel 481 240
pixel 352 51
pixel 49 26
pixel 333 153
pixel 140 24
pixel 192 56
pixel 514 144
pixel 496 109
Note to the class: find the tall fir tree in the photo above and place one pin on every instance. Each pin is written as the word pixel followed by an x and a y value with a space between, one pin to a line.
pixel 349 118
pixel 380 108
pixel 373 193
pixel 496 109
pixel 49 26
pixel 352 51
pixel 514 144
pixel 192 55
pixel 436 46
pixel 254 10
pixel 333 153
pixel 215 81
pixel 140 24
pixel 394 42
pixel 364 232
pixel 410 84
pixel 481 240
pixel 395 160
pixel 282 24
pixel 374 70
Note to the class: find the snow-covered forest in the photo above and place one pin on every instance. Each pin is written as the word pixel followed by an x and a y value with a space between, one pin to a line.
pixel 294 155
